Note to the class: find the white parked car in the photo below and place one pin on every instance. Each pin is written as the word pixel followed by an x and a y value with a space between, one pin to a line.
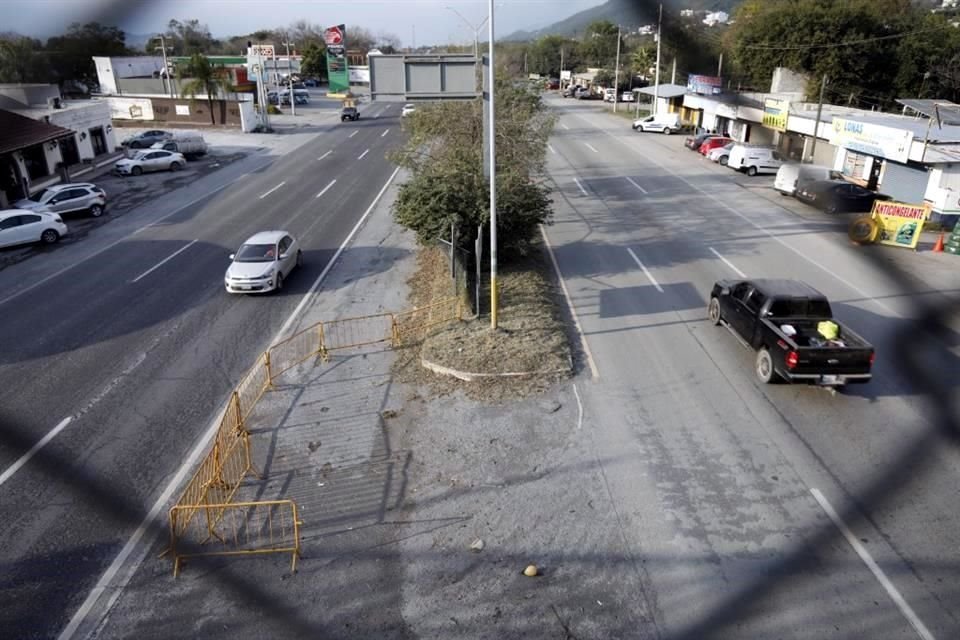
pixel 262 263
pixel 18 226
pixel 408 109
pixel 665 123
pixel 68 197
pixel 627 96
pixel 754 159
pixel 721 154
pixel 151 160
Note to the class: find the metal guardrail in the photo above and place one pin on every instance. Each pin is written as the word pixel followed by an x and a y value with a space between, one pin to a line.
pixel 206 501
pixel 231 529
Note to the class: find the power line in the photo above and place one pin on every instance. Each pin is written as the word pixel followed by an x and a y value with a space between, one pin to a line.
pixel 849 43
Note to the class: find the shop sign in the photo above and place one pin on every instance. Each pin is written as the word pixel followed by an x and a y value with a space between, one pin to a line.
pixel 873 139
pixel 775 113
pixel 705 85
pixel 900 223
pixel 727 111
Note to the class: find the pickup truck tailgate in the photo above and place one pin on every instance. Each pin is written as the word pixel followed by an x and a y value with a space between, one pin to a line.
pixel 833 361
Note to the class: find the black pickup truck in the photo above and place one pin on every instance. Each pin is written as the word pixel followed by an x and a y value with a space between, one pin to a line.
pixel 780 320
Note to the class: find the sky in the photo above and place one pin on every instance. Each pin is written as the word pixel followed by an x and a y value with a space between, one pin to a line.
pixel 428 21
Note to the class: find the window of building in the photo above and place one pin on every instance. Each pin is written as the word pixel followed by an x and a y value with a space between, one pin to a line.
pixel 35 161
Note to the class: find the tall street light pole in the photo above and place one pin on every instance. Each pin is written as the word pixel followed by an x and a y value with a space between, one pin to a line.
pixel 293 102
pixel 493 177
pixel 656 82
pixel 167 80
pixel 616 74
pixel 475 29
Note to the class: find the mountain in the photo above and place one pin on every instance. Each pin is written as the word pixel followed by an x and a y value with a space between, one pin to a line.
pixel 629 13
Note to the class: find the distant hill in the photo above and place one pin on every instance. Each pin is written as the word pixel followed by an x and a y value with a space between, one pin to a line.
pixel 629 13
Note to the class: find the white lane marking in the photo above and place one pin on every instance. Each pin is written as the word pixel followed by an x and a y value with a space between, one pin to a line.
pixel 385 108
pixel 728 263
pixel 377 115
pixel 354 133
pixel 325 155
pixel 562 124
pixel 164 261
pixel 630 180
pixel 645 270
pixel 326 188
pixel 765 231
pixel 384 134
pixel 573 310
pixel 552 150
pixel 360 157
pixel 191 462
pixel 877 572
pixel 272 190
pixel 579 407
pixel 6 475
pixel 124 239
pixel 582 190
pixel 590 147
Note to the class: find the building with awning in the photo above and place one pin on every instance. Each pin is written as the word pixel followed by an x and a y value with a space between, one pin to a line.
pixel 29 155
pixel 669 98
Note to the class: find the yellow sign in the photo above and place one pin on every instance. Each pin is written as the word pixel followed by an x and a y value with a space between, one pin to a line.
pixel 900 223
pixel 775 113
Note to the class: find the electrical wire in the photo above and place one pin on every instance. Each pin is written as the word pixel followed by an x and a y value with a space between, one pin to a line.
pixel 850 43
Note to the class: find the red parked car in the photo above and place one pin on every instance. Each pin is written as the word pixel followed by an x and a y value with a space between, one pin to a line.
pixel 712 143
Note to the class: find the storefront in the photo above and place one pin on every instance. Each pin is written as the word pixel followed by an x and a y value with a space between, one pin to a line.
pixel 877 157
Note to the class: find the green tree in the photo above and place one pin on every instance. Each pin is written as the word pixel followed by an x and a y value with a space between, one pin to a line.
pixel 641 62
pixel 71 53
pixel 599 44
pixel 203 77
pixel 444 154
pixel 543 55
pixel 21 60
pixel 314 62
pixel 189 36
pixel 604 78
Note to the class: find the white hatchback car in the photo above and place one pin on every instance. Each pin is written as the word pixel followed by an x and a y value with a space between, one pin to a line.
pixel 408 109
pixel 18 226
pixel 150 160
pixel 262 263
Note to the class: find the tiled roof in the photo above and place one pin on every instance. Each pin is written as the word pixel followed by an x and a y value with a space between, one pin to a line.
pixel 19 132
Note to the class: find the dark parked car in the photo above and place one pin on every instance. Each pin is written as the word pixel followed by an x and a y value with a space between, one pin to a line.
pixel 349 113
pixel 694 143
pixel 791 327
pixel 835 197
pixel 146 139
pixel 571 91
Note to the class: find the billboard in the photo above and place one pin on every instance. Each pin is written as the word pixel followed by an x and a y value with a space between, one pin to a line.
pixel 900 223
pixel 705 85
pixel 359 74
pixel 337 72
pixel 872 139
pixel 775 113
pixel 130 108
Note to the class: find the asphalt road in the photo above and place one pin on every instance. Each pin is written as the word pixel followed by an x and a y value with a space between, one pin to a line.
pixel 138 346
pixel 723 488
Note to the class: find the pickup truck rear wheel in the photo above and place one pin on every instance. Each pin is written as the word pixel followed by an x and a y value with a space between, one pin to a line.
pixel 713 311
pixel 764 367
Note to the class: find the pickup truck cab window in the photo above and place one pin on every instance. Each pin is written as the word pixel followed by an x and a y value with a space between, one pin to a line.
pixel 756 301
pixel 740 291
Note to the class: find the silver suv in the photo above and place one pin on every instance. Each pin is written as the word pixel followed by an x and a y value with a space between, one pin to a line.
pixel 76 197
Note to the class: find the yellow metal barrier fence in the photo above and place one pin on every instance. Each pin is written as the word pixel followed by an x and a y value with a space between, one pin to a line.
pixel 241 528
pixel 253 386
pixel 350 333
pixel 301 346
pixel 412 325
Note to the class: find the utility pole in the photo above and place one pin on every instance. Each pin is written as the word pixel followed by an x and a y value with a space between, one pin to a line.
pixel 293 102
pixel 656 82
pixel 616 74
pixel 673 75
pixel 494 309
pixel 720 66
pixel 561 68
pixel 525 72
pixel 816 128
pixel 167 80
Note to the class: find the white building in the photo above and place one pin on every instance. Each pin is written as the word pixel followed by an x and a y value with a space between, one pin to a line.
pixel 716 17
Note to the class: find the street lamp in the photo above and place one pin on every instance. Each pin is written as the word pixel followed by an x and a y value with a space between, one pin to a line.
pixel 293 101
pixel 475 29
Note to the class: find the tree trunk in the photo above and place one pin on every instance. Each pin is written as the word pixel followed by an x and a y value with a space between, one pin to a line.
pixel 213 120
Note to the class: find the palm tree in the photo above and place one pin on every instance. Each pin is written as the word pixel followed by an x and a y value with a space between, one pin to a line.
pixel 206 78
pixel 640 62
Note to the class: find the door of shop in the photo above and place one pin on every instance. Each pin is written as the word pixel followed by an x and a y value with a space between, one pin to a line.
pixel 98 141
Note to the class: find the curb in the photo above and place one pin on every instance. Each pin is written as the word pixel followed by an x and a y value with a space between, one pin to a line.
pixel 468 376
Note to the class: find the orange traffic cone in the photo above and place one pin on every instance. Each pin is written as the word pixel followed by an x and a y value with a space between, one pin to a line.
pixel 938 246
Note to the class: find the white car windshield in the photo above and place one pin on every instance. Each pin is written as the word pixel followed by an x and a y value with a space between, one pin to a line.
pixel 256 253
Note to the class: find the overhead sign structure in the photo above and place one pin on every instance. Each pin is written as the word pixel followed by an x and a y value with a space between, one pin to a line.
pixel 337 73
pixel 873 139
pixel 775 113
pixel 900 223
pixel 410 77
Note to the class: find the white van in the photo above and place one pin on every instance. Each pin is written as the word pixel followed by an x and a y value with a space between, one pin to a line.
pixel 754 159
pixel 191 145
pixel 792 176
pixel 665 123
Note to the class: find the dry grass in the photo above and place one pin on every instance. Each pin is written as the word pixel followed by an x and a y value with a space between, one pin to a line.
pixel 530 338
